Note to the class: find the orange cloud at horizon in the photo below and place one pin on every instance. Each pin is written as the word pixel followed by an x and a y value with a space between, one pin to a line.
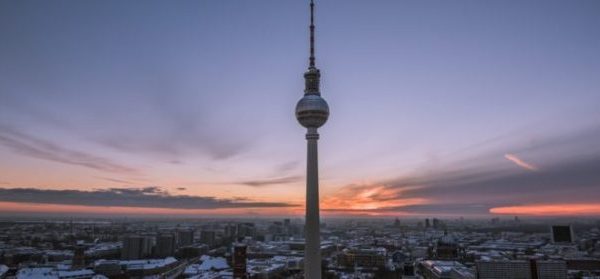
pixel 549 210
pixel 367 199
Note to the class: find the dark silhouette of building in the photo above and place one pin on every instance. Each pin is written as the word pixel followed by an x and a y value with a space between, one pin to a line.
pixel 135 247
pixel 562 234
pixel 185 237
pixel 165 245
pixel 239 261
pixel 246 230
pixel 437 224
pixel 78 257
pixel 192 251
pixel 208 237
pixel 446 248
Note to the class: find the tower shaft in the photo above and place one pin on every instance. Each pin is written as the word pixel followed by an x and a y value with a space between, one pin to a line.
pixel 312 112
pixel 312 250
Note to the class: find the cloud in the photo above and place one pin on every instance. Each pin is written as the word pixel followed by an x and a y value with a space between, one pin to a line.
pixel 174 123
pixel 513 158
pixel 563 182
pixel 123 181
pixel 287 166
pixel 423 209
pixel 147 197
pixel 270 181
pixel 475 186
pixel 41 149
pixel 152 113
pixel 367 197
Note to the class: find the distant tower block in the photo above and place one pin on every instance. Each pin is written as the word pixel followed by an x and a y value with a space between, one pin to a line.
pixel 239 261
pixel 78 257
pixel 135 247
pixel 312 112
pixel 185 238
pixel 562 234
pixel 165 245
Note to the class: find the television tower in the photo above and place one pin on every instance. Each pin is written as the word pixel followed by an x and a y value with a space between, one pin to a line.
pixel 312 112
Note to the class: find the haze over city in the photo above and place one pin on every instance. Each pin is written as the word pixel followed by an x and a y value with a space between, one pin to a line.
pixel 185 108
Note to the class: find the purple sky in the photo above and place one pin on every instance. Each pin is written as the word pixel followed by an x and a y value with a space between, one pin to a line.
pixel 200 95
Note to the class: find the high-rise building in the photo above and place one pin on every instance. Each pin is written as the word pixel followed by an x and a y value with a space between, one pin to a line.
pixel 239 261
pixel 312 112
pixel 287 226
pixel 230 230
pixel 437 224
pixel 562 234
pixel 208 237
pixel 246 230
pixel 185 237
pixel 78 257
pixel 165 245
pixel 135 247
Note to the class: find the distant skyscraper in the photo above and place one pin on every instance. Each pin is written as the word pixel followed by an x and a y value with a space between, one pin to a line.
pixel 165 245
pixel 246 230
pixel 562 234
pixel 230 230
pixel 185 237
pixel 312 112
pixel 78 257
pixel 208 237
pixel 135 247
pixel 437 223
pixel 239 261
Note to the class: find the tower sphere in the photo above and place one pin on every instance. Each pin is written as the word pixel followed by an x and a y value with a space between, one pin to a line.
pixel 312 111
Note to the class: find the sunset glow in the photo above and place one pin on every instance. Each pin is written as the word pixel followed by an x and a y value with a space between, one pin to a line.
pixel 550 210
pixel 367 198
pixel 188 108
pixel 9 207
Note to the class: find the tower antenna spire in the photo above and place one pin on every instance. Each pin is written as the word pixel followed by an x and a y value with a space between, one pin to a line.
pixel 312 34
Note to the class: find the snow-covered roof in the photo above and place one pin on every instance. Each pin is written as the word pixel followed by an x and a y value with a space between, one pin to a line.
pixel 208 264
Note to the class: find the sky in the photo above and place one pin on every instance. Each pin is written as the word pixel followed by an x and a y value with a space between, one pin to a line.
pixel 186 108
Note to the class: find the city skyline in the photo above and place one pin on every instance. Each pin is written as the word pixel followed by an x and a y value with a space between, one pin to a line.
pixel 440 109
